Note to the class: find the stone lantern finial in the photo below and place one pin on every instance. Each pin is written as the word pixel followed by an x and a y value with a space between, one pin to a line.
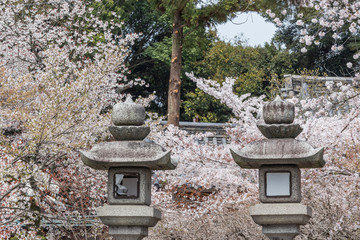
pixel 128 113
pixel 278 118
pixel 279 112
pixel 128 118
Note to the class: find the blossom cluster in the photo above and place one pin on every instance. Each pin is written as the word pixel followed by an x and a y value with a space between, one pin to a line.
pixel 29 28
pixel 61 70
pixel 334 17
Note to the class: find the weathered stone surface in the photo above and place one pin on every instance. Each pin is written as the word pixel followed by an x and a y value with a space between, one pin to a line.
pixel 128 113
pixel 129 161
pixel 279 130
pixel 128 154
pixel 128 133
pixel 128 232
pixel 279 151
pixel 279 159
pixel 280 214
pixel 128 215
pixel 295 183
pixel 144 186
pixel 281 232
pixel 278 112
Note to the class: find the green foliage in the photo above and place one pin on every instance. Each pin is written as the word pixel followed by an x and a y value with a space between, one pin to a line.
pixel 196 44
pixel 205 108
pixel 148 55
pixel 276 63
pixel 160 51
pixel 191 15
pixel 123 8
pixel 275 60
pixel 254 69
pixel 223 60
pixel 202 52
pixel 228 60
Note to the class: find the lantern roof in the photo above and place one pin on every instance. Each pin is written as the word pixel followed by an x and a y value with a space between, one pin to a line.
pixel 128 154
pixel 279 151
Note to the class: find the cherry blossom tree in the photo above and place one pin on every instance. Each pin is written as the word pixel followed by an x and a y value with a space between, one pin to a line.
pixel 61 68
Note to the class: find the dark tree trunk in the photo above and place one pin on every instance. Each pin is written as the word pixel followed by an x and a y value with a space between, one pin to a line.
pixel 175 71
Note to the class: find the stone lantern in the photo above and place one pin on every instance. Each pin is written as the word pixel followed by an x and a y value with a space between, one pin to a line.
pixel 279 159
pixel 129 161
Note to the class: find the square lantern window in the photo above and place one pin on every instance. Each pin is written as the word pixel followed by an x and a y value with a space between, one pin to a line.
pixel 129 185
pixel 126 185
pixel 279 184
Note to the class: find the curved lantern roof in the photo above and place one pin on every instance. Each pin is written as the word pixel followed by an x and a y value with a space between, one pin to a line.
pixel 279 151
pixel 128 154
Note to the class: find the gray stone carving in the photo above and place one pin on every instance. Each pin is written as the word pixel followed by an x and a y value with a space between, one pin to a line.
pixel 278 120
pixel 129 162
pixel 127 133
pixel 128 113
pixel 279 130
pixel 280 213
pixel 279 151
pixel 278 112
pixel 144 186
pixel 281 221
pixel 295 184
pixel 279 159
pixel 128 154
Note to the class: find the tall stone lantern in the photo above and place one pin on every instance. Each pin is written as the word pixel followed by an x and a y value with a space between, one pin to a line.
pixel 279 159
pixel 129 161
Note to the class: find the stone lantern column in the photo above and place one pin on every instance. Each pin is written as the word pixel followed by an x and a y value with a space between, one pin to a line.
pixel 129 161
pixel 279 159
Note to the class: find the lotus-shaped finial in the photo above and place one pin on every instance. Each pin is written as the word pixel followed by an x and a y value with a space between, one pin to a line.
pixel 128 113
pixel 279 112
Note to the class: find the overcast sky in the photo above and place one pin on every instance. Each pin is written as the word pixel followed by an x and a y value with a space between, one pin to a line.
pixel 253 27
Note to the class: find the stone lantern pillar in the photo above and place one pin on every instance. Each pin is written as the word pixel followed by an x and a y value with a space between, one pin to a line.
pixel 279 159
pixel 129 161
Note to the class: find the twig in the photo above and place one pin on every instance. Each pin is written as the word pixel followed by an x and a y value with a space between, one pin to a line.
pixel 10 190
pixel 348 124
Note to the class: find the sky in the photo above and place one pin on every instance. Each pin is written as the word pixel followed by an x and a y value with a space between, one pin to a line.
pixel 252 26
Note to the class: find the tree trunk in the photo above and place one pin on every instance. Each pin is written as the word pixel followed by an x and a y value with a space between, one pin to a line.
pixel 175 71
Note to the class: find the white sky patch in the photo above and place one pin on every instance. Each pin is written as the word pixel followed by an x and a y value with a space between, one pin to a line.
pixel 251 26
pixel 206 3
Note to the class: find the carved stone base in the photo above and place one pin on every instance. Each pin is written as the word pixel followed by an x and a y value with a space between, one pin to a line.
pixel 129 215
pixel 281 232
pixel 128 222
pixel 280 221
pixel 128 232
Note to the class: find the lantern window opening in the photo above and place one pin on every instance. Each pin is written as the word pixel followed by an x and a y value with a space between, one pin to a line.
pixel 126 185
pixel 278 184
